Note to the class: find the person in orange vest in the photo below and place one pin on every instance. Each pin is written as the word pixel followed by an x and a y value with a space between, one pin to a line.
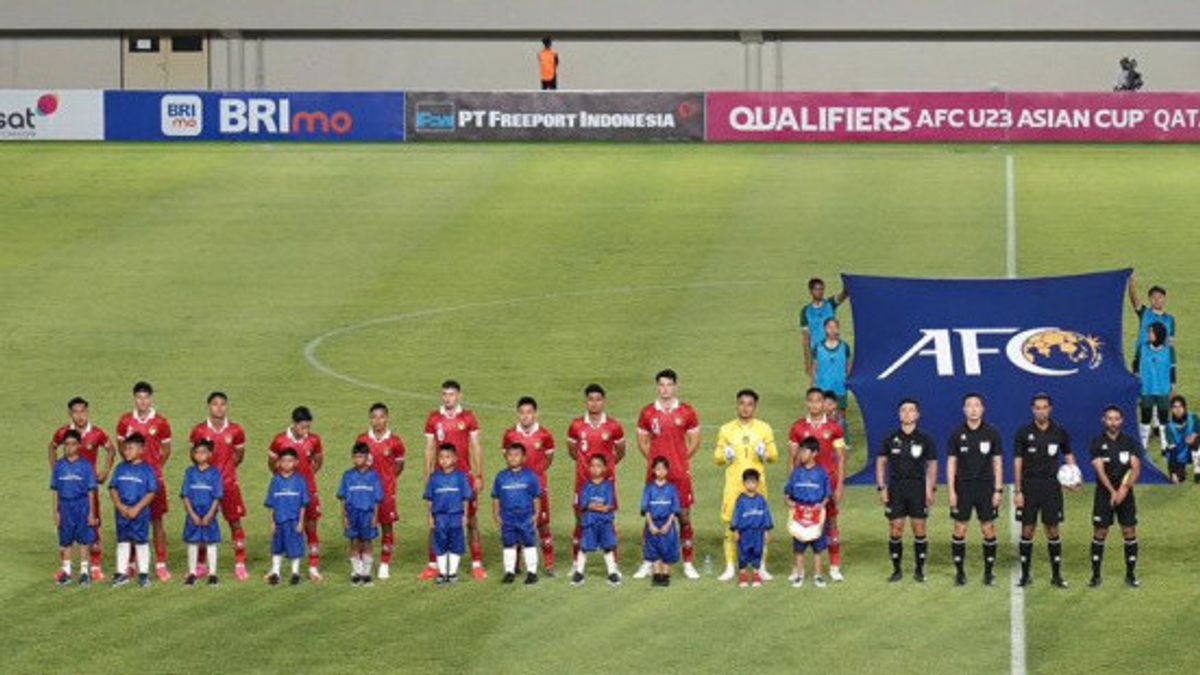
pixel 548 63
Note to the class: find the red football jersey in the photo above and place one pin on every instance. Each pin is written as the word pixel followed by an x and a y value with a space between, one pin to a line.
pixel 94 438
pixel 154 428
pixel 826 431
pixel 224 441
pixel 668 429
pixel 306 449
pixel 453 427
pixel 590 440
pixel 384 453
pixel 539 445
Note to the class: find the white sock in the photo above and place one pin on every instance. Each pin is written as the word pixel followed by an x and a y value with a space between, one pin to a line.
pixel 454 558
pixel 211 550
pixel 295 566
pixel 1144 432
pixel 276 562
pixel 193 551
pixel 1162 436
pixel 367 563
pixel 84 566
pixel 355 565
pixel 610 560
pixel 510 560
pixel 1196 462
pixel 143 556
pixel 66 566
pixel 123 550
pixel 443 564
pixel 531 559
pixel 580 562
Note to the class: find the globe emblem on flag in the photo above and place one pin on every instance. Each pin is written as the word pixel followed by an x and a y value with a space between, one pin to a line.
pixel 1057 348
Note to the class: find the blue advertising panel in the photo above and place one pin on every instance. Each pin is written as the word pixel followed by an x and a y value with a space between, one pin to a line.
pixel 253 116
pixel 935 340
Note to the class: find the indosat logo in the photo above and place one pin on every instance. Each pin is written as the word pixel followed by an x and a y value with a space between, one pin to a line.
pixel 26 119
pixel 1044 351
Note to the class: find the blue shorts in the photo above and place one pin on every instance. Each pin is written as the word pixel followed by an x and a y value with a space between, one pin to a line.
pixel 750 548
pixel 598 537
pixel 816 546
pixel 73 527
pixel 135 530
pixel 286 541
pixel 661 547
pixel 361 526
pixel 522 534
pixel 201 534
pixel 448 535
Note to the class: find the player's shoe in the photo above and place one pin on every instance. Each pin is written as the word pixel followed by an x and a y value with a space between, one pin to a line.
pixel 756 580
pixel 690 571
pixel 1095 582
pixel 85 579
pixel 577 579
pixel 385 572
pixel 960 579
pixel 896 577
pixel 366 582
pixel 355 579
pixel 452 579
pixel 202 570
pixel 989 578
pixel 144 580
pixel 164 574
pixel 665 580
pixel 1059 582
pixel 429 573
pixel 314 575
pixel 794 575
pixel 478 572
pixel 743 580
pixel 273 579
pixel 190 580
pixel 919 576
pixel 119 580
pixel 509 577
pixel 441 580
pixel 1025 581
pixel 213 580
pixel 295 580
pixel 531 578
pixel 819 581
pixel 1133 582
pixel 728 574
pixel 97 573
pixel 835 573
pixel 797 580
pixel 62 578
pixel 614 579
pixel 239 571
pixel 643 571
pixel 762 573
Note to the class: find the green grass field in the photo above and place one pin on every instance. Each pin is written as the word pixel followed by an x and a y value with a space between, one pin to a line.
pixel 536 269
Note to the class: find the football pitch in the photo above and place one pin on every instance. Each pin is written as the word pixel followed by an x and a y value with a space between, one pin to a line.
pixel 337 276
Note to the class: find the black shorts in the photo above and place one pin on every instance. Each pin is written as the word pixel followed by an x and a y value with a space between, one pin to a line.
pixel 550 84
pixel 974 495
pixel 906 499
pixel 1103 511
pixel 1042 498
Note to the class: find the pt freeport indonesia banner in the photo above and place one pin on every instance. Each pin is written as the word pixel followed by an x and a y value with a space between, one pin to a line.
pixel 555 116
pixel 947 117
pixel 936 340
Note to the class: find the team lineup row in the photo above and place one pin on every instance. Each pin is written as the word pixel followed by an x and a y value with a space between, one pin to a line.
pixel 668 437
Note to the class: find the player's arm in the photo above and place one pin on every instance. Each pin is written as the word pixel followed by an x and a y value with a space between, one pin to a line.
pixel 771 450
pixel 53 452
pixel 692 440
pixel 429 454
pixel 839 489
pixel 239 453
pixel 548 451
pixel 165 451
pixel 951 473
pixel 619 450
pixel 1101 476
pixel 572 446
pixel 110 455
pixel 998 477
pixel 1018 471
pixel 842 296
pixel 1135 472
pixel 142 503
pixel 398 464
pixel 644 442
pixel 476 452
pixel 317 458
pixel 187 506
pixel 930 480
pixel 881 463
pixel 1132 287
pixel 806 336
pixel 723 450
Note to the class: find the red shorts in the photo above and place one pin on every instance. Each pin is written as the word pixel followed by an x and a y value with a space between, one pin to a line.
pixel 160 505
pixel 233 507
pixel 312 512
pixel 387 511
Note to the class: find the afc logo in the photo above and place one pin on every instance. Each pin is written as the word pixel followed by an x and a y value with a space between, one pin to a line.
pixel 1045 351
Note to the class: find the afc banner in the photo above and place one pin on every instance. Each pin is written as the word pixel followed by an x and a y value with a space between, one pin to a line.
pixel 555 116
pixel 253 116
pixel 948 117
pixel 936 340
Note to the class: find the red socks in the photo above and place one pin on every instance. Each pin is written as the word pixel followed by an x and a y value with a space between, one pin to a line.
pixel 314 549
pixel 689 553
pixel 835 546
pixel 387 541
pixel 239 546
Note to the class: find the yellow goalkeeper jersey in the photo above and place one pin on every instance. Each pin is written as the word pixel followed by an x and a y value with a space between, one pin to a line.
pixel 752 445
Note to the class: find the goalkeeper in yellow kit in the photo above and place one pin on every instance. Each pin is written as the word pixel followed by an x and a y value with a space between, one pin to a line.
pixel 744 443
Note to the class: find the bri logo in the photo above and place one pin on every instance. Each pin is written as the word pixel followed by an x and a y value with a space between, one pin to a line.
pixel 182 115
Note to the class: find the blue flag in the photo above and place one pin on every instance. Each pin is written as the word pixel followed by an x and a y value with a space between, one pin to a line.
pixel 936 340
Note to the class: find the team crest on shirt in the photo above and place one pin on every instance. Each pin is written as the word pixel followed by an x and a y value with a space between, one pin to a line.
pixel 153 431
pixel 1123 456
pixel 603 436
pixel 985 447
pixel 826 435
pixel 963 437
pixel 462 426
pixel 915 450
pixel 228 439
pixel 1052 449
pixel 537 445
pixel 678 421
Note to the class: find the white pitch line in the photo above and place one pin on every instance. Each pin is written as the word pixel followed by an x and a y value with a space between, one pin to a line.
pixel 1016 609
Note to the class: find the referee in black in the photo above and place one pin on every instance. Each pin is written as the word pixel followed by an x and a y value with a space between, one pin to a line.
pixel 906 478
pixel 1117 459
pixel 1039 449
pixel 975 476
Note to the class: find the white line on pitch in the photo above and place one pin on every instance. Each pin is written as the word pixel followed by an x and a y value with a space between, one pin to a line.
pixel 1016 609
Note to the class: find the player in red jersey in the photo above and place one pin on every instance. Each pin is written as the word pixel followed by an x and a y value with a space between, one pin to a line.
pixel 310 455
pixel 832 458
pixel 539 455
pixel 229 449
pixel 93 440
pixel 387 457
pixel 155 428
pixel 453 424
pixel 595 433
pixel 670 428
